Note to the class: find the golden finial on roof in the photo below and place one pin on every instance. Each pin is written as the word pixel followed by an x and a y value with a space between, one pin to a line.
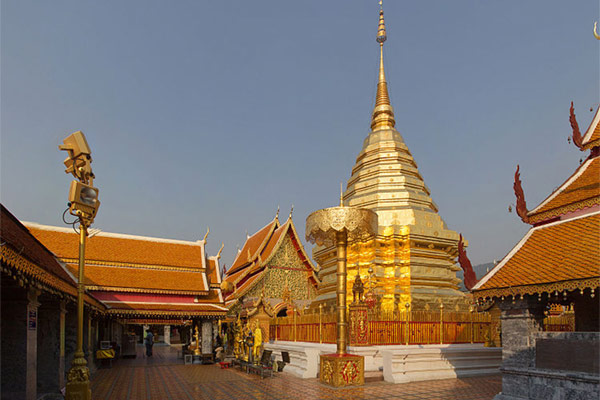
pixel 596 30
pixel 291 212
pixel 383 114
pixel 206 234
pixel 341 195
pixel 220 250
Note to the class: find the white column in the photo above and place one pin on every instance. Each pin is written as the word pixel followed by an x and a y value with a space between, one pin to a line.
pixel 207 337
pixel 167 334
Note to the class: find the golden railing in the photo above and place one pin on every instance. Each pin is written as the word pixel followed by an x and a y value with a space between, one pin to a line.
pixel 560 323
pixel 390 328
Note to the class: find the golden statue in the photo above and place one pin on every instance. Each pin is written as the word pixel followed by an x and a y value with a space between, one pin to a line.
pixel 238 339
pixel 197 351
pixel 257 343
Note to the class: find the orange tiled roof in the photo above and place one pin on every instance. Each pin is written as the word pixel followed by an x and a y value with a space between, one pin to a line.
pixel 581 190
pixel 591 138
pixel 564 251
pixel 115 248
pixel 27 257
pixel 253 245
pixel 104 277
pixel 244 287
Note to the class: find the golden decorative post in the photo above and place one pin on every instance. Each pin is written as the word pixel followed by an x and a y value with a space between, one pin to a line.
pixel 336 225
pixel 472 332
pixel 83 204
pixel 441 323
pixel 407 331
pixel 295 326
pixel 321 323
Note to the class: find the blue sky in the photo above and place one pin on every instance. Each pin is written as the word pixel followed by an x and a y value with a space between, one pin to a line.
pixel 214 113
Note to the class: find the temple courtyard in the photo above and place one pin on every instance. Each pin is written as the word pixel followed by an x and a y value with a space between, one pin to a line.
pixel 164 376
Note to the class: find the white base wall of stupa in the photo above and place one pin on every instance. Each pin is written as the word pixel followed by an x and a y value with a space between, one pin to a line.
pixel 400 364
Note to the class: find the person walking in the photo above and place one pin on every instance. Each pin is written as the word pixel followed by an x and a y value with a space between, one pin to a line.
pixel 149 341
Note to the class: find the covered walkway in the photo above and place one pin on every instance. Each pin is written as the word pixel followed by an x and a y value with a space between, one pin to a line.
pixel 163 376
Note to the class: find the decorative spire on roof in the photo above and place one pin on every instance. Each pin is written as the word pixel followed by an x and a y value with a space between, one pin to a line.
pixel 220 250
pixel 206 234
pixel 383 114
pixel 596 30
pixel 277 214
pixel 341 195
pixel 291 212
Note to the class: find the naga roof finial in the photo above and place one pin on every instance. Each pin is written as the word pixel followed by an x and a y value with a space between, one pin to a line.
pixel 469 275
pixel 577 138
pixel 596 30
pixel 521 204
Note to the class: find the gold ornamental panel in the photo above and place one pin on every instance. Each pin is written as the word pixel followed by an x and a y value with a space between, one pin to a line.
pixel 342 370
pixel 322 225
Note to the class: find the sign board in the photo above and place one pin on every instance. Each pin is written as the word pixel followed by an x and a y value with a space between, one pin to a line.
pixel 32 320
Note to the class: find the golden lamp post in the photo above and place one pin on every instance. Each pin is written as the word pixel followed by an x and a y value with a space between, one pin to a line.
pixel 337 225
pixel 83 204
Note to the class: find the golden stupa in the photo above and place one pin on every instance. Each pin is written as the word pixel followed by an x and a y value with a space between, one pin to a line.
pixel 410 262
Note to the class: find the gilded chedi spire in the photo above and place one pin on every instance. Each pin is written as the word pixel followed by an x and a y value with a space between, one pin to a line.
pixel 383 114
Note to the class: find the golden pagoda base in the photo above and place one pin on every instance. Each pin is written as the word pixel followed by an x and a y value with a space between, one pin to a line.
pixel 342 370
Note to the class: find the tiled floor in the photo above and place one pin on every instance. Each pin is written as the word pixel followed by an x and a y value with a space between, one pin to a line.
pixel 165 377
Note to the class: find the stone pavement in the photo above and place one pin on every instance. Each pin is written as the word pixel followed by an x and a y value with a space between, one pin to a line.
pixel 163 376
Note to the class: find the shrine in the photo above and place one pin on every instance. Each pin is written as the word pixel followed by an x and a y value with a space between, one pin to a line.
pixel 555 263
pixel 410 258
pixel 271 275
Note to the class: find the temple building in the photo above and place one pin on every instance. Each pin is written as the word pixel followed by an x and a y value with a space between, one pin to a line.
pixel 168 286
pixel 39 315
pixel 411 259
pixel 272 268
pixel 556 262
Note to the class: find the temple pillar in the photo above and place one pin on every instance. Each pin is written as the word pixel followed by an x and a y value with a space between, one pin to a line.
pixel 61 362
pixel 522 320
pixel 70 335
pixel 19 342
pixel 167 334
pixel 50 375
pixel 207 336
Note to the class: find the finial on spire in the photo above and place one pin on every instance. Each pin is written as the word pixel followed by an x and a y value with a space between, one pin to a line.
pixel 341 195
pixel 291 212
pixel 383 114
pixel 277 214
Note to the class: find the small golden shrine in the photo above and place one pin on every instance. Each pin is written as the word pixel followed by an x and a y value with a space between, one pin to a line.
pixel 411 257
pixel 271 275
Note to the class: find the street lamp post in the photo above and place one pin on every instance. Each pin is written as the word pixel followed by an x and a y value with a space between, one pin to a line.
pixel 83 204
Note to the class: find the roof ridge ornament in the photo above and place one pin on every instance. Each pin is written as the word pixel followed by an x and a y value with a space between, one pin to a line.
pixel 383 113
pixel 277 213
pixel 596 30
pixel 291 212
pixel 206 234
pixel 470 278
pixel 521 204
pixel 220 250
pixel 577 138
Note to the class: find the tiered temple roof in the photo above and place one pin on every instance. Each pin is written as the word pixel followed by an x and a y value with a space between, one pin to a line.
pixel 561 252
pixel 258 257
pixel 141 276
